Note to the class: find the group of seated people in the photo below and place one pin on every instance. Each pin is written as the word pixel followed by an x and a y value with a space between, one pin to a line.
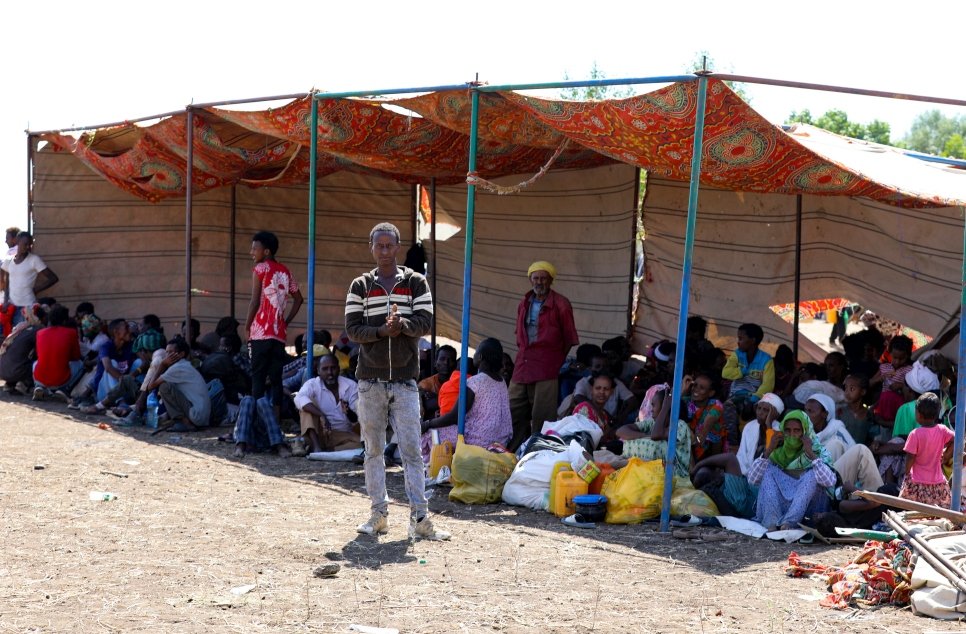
pixel 766 438
pixel 782 444
pixel 79 360
pixel 198 380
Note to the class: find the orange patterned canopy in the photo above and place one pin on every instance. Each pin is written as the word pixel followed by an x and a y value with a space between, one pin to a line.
pixel 518 134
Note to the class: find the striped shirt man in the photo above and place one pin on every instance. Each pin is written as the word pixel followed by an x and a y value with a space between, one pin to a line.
pixel 367 306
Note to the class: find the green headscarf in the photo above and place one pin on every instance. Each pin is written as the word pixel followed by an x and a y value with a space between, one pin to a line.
pixel 791 454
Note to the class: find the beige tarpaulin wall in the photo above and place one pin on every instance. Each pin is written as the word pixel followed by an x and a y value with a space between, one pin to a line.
pixel 905 264
pixel 127 256
pixel 579 220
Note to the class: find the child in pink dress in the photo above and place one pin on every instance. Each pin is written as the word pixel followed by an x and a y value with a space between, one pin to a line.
pixel 927 447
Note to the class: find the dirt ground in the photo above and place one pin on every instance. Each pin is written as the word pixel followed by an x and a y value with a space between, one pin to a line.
pixel 189 525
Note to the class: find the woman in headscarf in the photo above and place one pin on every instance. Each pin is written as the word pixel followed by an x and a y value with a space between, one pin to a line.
pixel 892 456
pixel 831 432
pixel 791 475
pixel 755 435
pixel 647 438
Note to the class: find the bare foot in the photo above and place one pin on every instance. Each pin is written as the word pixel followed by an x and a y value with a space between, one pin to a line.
pixel 239 451
pixel 283 450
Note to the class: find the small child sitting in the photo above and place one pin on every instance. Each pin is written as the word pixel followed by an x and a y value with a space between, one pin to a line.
pixel 752 375
pixel 927 447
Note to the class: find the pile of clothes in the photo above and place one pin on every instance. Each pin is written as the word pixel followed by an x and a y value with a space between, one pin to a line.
pixel 879 575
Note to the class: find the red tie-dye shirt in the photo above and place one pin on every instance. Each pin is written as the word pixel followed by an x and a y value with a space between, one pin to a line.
pixel 277 285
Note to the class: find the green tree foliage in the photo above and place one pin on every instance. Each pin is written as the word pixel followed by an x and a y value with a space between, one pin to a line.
pixel 595 93
pixel 955 147
pixel 934 133
pixel 837 121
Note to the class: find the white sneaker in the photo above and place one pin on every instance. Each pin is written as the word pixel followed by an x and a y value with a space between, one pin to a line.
pixel 423 529
pixel 39 394
pixel 377 524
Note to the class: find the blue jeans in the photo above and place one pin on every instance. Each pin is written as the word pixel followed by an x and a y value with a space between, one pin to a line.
pixel 396 403
pixel 256 425
pixel 18 315
pixel 76 372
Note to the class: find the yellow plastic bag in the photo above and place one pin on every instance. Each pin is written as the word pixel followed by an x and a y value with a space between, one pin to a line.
pixel 478 475
pixel 686 500
pixel 634 492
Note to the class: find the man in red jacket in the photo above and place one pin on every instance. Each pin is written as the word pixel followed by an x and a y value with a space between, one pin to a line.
pixel 545 334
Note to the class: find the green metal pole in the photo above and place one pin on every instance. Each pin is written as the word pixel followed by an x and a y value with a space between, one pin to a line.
pixel 468 260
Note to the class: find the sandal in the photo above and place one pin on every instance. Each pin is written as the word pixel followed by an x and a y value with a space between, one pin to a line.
pixel 578 521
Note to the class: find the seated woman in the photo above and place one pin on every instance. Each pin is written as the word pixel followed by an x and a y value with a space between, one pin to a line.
pixel 704 415
pixel 756 433
pixel 487 405
pixel 831 432
pixel 647 438
pixel 602 386
pixel 791 475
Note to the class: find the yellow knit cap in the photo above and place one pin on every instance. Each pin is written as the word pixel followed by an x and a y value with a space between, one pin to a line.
pixel 542 265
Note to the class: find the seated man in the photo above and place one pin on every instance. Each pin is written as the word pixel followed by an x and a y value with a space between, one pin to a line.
pixel 59 364
pixel 149 347
pixel 429 387
pixel 182 389
pixel 151 323
pixel 576 368
pixel 16 364
pixel 256 428
pixel 606 362
pixel 293 372
pixel 223 364
pixel 629 366
pixel 327 409
pixel 191 335
pixel 211 341
pixel 115 358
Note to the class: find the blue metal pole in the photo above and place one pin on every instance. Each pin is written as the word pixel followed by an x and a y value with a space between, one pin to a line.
pixel 960 394
pixel 684 304
pixel 310 276
pixel 386 91
pixel 585 83
pixel 468 262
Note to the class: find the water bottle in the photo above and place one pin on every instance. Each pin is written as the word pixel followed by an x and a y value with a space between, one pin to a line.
pixel 152 410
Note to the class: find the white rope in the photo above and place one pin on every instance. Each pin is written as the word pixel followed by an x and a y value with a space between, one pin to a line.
pixel 473 178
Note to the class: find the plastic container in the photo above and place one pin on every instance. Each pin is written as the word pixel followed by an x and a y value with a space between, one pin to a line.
pixel 151 420
pixel 568 485
pixel 557 468
pixel 592 507
pixel 440 456
pixel 102 496
pixel 598 482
